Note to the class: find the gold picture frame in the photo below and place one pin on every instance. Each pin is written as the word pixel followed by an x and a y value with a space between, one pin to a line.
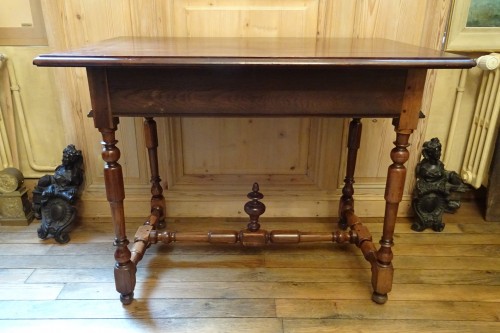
pixel 470 39
pixel 30 35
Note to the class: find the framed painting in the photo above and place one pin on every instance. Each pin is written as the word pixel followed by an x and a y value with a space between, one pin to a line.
pixel 474 26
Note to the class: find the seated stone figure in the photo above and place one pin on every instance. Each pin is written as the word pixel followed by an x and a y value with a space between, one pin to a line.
pixel 54 195
pixel 433 192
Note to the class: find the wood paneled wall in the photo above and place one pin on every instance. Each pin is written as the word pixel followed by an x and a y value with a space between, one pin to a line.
pixel 208 161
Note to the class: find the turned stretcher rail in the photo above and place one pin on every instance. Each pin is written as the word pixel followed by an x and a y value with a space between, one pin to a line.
pixel 254 238
pixel 364 237
pixel 147 235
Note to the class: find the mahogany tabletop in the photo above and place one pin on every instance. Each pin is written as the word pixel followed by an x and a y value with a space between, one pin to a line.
pixel 337 52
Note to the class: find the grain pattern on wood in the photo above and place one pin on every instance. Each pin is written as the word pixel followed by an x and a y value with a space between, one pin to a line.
pixel 253 91
pixel 283 290
pixel 420 276
pixel 15 275
pixel 336 52
pixel 350 309
pixel 139 325
pixel 155 308
pixel 385 326
pixel 22 291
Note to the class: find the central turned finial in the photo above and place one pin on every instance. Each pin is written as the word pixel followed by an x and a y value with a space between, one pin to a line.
pixel 254 207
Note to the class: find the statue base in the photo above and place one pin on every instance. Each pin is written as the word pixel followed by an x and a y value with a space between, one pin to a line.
pixel 58 216
pixel 15 208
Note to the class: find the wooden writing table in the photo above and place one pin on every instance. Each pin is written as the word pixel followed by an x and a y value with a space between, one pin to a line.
pixel 256 77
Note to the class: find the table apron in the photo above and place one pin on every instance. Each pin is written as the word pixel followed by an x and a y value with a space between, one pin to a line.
pixel 253 91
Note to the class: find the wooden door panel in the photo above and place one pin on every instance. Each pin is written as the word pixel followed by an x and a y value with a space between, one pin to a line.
pixel 283 153
pixel 246 18
pixel 245 145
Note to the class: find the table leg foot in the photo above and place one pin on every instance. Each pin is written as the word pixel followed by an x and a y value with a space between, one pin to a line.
pixel 126 299
pixel 382 276
pixel 379 298
pixel 125 281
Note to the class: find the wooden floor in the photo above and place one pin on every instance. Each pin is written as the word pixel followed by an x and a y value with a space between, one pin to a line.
pixel 444 282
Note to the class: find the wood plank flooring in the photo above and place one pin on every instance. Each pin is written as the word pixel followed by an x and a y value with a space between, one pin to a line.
pixel 444 282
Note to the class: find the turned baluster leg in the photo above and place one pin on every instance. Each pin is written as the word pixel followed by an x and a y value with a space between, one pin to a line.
pixel 157 199
pixel 353 142
pixel 382 270
pixel 124 268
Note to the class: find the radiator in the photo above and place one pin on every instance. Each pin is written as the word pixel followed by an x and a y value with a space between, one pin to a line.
pixel 484 127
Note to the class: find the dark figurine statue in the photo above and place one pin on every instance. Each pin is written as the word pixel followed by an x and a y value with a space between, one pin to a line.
pixel 433 193
pixel 55 195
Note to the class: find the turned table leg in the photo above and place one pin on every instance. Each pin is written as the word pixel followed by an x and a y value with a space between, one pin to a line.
pixel 405 124
pixel 157 199
pixel 382 270
pixel 353 141
pixel 124 268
